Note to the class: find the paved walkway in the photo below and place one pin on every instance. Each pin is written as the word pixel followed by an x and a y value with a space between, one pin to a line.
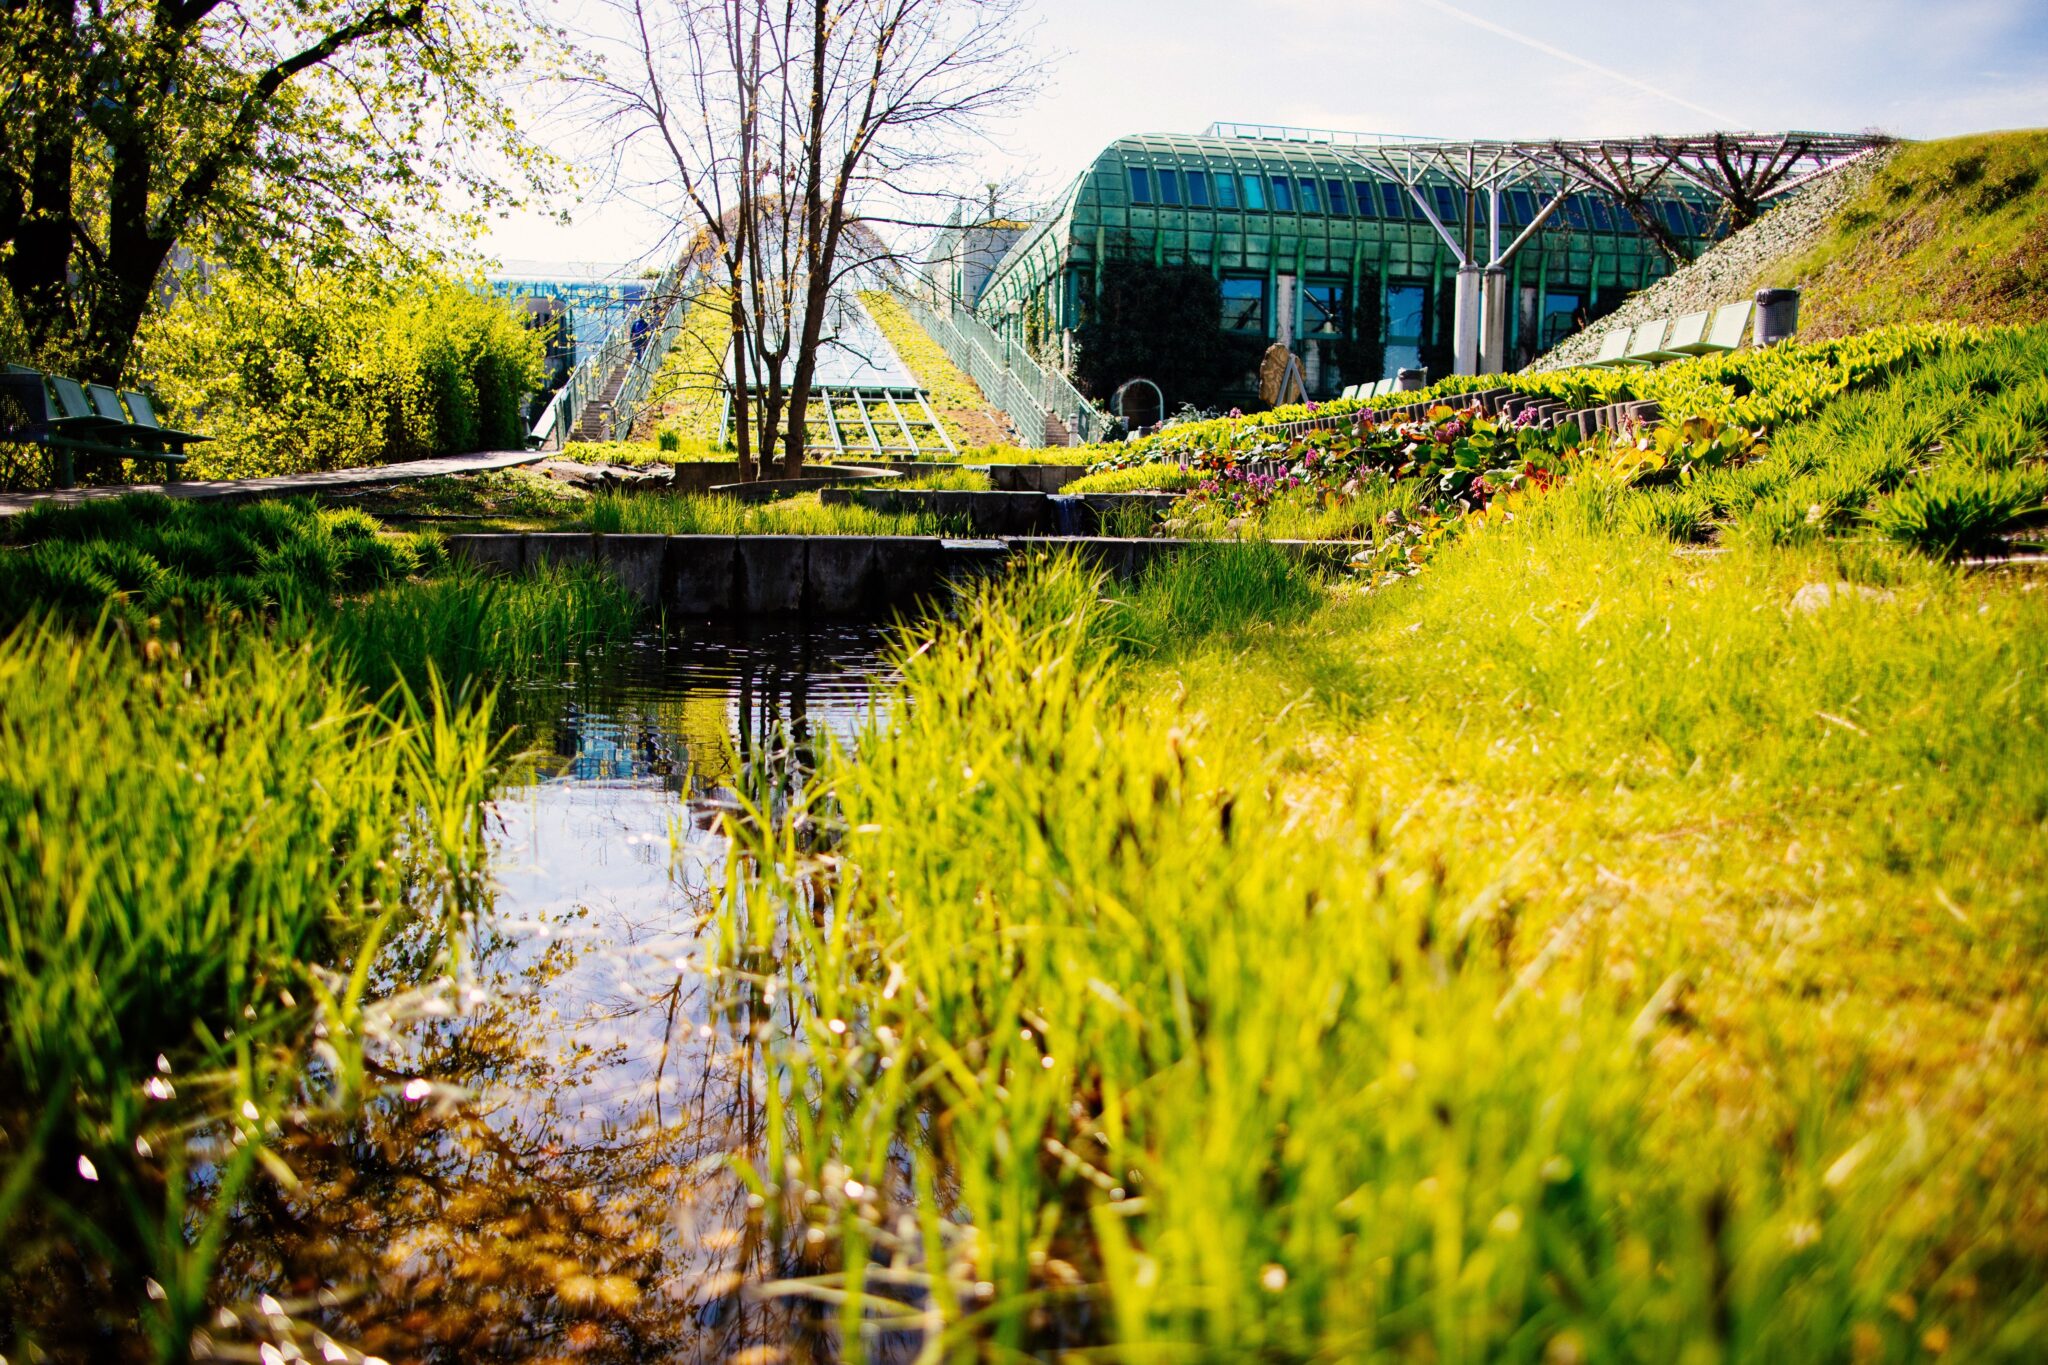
pixel 284 485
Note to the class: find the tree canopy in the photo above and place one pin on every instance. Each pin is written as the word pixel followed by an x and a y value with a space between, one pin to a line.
pixel 140 137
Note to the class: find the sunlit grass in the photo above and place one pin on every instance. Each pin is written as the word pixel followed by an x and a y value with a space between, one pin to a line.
pixel 1575 952
pixel 1161 478
pixel 683 514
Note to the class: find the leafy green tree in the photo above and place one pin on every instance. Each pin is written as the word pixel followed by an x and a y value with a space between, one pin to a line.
pixel 340 368
pixel 139 136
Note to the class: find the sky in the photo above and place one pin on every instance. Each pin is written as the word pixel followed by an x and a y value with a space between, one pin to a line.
pixel 1469 68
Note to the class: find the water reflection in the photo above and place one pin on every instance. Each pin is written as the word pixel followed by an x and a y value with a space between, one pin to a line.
pixel 558 1189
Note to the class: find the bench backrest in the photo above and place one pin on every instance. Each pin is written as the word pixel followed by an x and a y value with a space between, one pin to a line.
pixel 144 415
pixel 1648 339
pixel 71 399
pixel 1687 332
pixel 106 403
pixel 1613 346
pixel 28 390
pixel 1729 325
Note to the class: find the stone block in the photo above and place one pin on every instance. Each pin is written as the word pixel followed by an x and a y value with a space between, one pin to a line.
pixel 768 574
pixel 697 575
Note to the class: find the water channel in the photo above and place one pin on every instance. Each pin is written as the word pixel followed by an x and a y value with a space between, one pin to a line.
pixel 549 1178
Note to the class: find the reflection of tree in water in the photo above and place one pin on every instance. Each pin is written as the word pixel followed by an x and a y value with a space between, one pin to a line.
pixel 577 1203
pixel 564 1191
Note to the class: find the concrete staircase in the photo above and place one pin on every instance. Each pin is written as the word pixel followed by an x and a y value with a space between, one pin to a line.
pixel 594 422
pixel 1056 432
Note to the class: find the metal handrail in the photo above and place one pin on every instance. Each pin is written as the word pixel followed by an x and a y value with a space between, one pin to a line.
pixel 586 381
pixel 1008 375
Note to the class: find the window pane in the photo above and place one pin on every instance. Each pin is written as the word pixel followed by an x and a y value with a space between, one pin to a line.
pixel 1336 197
pixel 1254 193
pixel 1393 199
pixel 1404 313
pixel 1447 204
pixel 1310 202
pixel 1283 195
pixel 1226 190
pixel 1244 303
pixel 1324 309
pixel 1575 211
pixel 1198 188
pixel 1560 317
pixel 1523 212
pixel 1141 185
pixel 1361 195
pixel 1600 218
pixel 1169 186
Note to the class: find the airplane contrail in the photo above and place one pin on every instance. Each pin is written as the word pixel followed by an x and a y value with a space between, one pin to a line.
pixel 1539 45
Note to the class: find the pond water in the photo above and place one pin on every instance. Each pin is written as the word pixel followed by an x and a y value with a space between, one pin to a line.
pixel 551 1181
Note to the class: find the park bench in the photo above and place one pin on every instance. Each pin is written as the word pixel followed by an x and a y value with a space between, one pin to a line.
pixel 69 419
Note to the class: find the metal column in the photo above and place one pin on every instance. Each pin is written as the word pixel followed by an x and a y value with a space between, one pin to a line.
pixel 1465 320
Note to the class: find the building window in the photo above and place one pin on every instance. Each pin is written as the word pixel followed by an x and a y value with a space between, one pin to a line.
pixel 1407 327
pixel 1244 303
pixel 1446 204
pixel 1169 186
pixel 1338 206
pixel 1198 189
pixel 1283 195
pixel 1141 185
pixel 1562 315
pixel 1392 198
pixel 1254 193
pixel 1326 309
pixel 1363 198
pixel 1575 212
pixel 1226 190
pixel 1521 208
pixel 1309 199
pixel 1601 220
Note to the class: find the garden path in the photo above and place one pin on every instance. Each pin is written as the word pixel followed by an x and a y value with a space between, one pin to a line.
pixel 285 485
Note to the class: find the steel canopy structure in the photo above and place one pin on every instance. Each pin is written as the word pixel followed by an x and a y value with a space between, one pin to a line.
pixel 1349 246
pixel 1739 170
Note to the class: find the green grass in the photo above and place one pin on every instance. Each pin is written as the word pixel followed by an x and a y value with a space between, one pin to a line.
pixel 688 514
pixel 953 480
pixel 242 748
pixel 1953 229
pixel 144 554
pixel 190 837
pixel 504 497
pixel 1572 952
pixel 1162 478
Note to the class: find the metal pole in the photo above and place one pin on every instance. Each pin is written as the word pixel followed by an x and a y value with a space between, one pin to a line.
pixel 1493 356
pixel 1465 320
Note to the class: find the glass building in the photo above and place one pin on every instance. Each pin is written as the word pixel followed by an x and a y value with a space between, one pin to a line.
pixel 1303 242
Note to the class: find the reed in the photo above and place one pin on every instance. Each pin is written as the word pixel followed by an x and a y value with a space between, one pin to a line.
pixel 1572 952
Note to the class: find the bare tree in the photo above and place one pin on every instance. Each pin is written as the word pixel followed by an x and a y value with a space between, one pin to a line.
pixel 792 140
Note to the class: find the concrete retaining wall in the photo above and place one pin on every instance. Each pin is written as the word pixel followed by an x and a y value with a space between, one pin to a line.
pixel 825 575
pixel 1009 514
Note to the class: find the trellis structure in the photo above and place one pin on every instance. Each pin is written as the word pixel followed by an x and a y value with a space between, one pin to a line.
pixel 1740 170
pixel 867 420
